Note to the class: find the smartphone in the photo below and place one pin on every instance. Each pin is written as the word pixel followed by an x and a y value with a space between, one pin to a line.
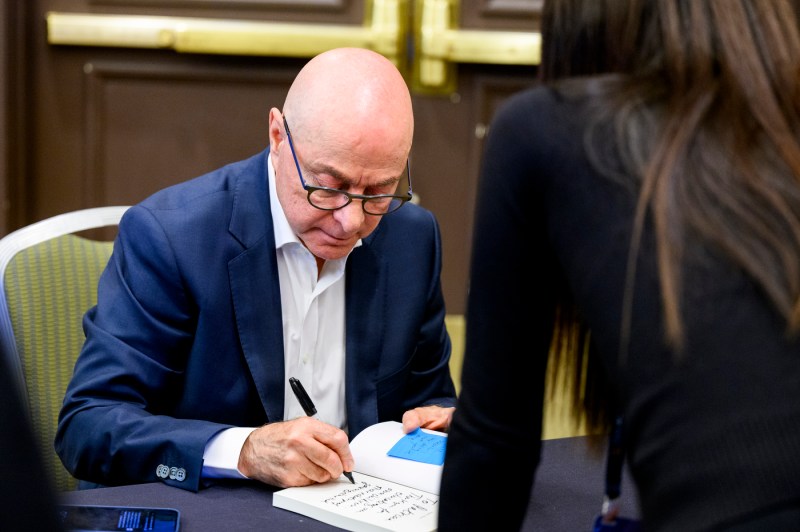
pixel 85 518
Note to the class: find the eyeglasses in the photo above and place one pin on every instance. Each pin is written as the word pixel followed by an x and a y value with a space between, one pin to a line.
pixel 331 199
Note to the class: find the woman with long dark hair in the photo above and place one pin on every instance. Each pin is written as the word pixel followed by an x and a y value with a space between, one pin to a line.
pixel 648 193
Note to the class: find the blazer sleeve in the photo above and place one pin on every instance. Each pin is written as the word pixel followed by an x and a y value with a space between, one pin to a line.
pixel 117 424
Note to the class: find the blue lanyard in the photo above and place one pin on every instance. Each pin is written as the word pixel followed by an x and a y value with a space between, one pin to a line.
pixel 609 519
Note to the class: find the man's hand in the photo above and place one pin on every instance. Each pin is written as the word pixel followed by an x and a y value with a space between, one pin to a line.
pixel 428 417
pixel 299 452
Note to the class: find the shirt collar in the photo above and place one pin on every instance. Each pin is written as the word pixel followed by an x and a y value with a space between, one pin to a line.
pixel 283 231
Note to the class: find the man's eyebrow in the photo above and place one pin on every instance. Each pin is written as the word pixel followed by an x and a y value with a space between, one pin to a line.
pixel 337 175
pixel 334 173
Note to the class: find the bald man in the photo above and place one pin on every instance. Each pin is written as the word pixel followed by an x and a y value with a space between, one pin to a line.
pixel 303 261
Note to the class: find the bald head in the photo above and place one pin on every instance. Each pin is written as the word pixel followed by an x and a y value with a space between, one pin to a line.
pixel 352 92
pixel 349 112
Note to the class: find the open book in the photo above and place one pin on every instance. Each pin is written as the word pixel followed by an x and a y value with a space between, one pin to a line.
pixel 391 493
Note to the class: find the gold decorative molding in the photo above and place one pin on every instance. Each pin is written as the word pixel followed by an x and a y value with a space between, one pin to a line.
pixel 440 45
pixel 382 32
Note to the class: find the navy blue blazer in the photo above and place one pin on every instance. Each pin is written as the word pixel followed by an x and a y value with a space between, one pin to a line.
pixel 186 339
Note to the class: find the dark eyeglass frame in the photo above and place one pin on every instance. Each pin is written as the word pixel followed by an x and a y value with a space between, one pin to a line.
pixel 365 198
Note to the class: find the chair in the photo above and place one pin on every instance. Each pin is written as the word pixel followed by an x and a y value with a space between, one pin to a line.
pixel 48 280
pixel 457 329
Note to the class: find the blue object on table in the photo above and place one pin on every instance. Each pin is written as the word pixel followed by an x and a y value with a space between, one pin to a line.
pixel 420 446
pixel 620 524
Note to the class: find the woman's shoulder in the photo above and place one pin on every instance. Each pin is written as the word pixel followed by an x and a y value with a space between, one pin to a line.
pixel 541 104
pixel 531 97
pixel 539 115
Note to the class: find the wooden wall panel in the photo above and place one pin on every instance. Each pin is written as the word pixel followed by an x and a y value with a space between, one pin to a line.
pixel 327 11
pixel 113 126
pixel 514 15
pixel 148 126
pixel 338 5
pixel 448 143
pixel 440 162
pixel 5 99
pixel 263 5
pixel 15 135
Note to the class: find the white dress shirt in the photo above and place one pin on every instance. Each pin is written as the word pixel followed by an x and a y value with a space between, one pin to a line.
pixel 312 306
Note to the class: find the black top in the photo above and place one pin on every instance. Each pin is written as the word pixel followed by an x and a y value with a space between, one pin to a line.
pixel 713 435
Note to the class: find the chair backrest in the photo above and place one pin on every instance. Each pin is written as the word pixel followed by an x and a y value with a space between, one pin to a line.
pixel 48 280
pixel 457 329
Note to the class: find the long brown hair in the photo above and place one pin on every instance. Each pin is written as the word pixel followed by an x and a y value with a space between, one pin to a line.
pixel 704 97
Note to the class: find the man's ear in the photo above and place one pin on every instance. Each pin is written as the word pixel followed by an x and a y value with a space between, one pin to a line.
pixel 276 131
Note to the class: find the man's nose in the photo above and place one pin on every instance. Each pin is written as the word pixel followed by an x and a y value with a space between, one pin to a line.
pixel 350 217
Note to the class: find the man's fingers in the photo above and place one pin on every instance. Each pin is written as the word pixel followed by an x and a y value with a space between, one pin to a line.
pixel 428 417
pixel 334 453
pixel 295 453
pixel 411 421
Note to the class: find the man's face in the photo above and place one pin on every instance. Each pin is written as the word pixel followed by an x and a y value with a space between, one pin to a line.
pixel 358 164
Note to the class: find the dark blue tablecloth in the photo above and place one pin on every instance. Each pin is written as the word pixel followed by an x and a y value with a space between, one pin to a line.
pixel 567 496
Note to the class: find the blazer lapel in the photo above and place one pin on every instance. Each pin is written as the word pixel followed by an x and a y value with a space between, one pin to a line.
pixel 257 303
pixel 255 288
pixel 364 311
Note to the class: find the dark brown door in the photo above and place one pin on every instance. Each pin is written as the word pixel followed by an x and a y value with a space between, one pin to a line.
pixel 106 101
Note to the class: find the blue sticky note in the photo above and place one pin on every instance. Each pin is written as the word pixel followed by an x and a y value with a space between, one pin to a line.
pixel 420 446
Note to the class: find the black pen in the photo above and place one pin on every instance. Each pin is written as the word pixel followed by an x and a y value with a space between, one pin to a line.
pixel 309 408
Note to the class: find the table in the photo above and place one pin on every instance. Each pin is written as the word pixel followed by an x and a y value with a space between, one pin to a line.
pixel 567 495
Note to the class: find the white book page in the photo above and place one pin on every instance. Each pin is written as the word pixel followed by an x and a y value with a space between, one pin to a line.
pixel 369 450
pixel 372 504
